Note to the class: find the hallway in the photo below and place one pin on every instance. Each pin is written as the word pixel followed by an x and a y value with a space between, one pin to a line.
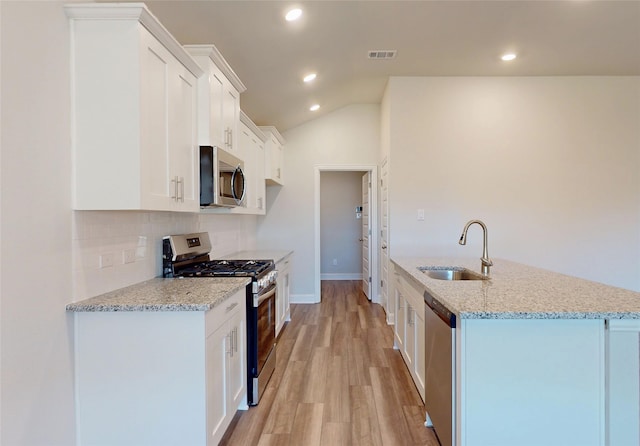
pixel 338 381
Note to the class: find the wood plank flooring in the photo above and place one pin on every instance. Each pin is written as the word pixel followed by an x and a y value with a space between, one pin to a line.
pixel 338 381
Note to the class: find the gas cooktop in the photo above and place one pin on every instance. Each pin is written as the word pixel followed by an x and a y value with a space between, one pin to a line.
pixel 213 268
pixel 187 255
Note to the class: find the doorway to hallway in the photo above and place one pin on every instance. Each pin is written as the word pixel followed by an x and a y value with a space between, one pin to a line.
pixel 346 226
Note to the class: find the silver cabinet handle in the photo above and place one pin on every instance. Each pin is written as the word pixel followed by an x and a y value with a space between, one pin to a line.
pixel 235 339
pixel 180 183
pixel 231 307
pixel 228 137
pixel 174 182
pixel 230 337
pixel 384 246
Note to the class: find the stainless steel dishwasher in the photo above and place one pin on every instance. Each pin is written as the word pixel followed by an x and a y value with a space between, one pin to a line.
pixel 439 390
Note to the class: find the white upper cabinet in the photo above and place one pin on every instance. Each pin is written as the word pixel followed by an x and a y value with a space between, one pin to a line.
pixel 274 156
pixel 218 100
pixel 134 112
pixel 251 145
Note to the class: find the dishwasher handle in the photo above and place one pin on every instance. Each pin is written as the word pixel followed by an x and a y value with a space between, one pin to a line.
pixel 447 316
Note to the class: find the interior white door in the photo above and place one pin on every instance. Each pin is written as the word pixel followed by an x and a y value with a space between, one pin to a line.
pixel 366 232
pixel 384 239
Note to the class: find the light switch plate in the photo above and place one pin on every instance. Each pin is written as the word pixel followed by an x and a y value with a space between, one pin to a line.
pixel 106 260
pixel 420 214
pixel 129 256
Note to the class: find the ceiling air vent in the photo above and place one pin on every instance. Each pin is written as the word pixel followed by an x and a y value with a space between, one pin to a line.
pixel 382 54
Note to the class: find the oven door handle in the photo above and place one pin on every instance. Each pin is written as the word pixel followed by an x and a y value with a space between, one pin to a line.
pixel 264 297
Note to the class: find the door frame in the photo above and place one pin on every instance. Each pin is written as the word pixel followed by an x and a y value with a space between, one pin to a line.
pixel 373 211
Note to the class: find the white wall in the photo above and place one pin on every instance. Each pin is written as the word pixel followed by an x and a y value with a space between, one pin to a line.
pixel 550 164
pixel 37 367
pixel 348 136
pixel 340 230
pixel 49 253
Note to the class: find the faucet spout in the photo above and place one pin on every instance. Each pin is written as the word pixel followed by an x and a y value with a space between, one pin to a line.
pixel 486 261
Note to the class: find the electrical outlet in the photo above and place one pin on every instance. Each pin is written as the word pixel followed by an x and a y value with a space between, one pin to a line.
pixel 335 261
pixel 128 256
pixel 420 214
pixel 106 260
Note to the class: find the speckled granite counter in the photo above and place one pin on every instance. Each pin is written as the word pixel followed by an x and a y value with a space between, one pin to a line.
pixel 182 294
pixel 517 291
pixel 276 255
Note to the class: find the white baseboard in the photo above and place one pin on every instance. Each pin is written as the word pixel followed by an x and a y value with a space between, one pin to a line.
pixel 341 276
pixel 304 299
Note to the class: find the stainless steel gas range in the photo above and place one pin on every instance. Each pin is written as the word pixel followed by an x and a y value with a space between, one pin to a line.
pixel 187 255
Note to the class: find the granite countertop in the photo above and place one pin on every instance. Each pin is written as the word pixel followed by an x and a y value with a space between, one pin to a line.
pixel 517 291
pixel 180 294
pixel 276 255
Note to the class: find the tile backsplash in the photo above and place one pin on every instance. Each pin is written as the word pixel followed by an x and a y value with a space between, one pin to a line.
pixel 114 249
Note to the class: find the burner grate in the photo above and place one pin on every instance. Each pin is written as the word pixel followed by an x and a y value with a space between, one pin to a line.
pixel 225 268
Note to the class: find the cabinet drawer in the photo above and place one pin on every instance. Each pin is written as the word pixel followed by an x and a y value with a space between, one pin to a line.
pixel 225 310
pixel 412 291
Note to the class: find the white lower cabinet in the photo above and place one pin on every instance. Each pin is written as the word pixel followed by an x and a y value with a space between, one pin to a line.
pixel 623 385
pixel 160 377
pixel 226 367
pixel 409 328
pixel 530 382
pixel 283 311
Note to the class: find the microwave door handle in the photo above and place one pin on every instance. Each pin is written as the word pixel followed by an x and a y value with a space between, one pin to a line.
pixel 244 186
pixel 233 185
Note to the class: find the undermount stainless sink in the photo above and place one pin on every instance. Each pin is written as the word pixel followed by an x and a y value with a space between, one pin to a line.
pixel 451 273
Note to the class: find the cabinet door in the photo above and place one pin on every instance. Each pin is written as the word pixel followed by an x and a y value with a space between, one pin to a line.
pixel 279 173
pixel 184 160
pixel 237 360
pixel 157 188
pixel 245 151
pixel 279 303
pixel 410 337
pixel 276 159
pixel 216 111
pixel 282 296
pixel 419 351
pixel 287 297
pixel 231 116
pixel 217 351
pixel 258 173
pixel 399 327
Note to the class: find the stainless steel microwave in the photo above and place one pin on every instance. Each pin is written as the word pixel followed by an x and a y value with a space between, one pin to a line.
pixel 222 181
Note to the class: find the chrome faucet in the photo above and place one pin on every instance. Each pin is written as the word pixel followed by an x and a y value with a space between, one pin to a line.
pixel 486 261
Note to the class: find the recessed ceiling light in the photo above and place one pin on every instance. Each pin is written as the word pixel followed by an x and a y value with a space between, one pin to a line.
pixel 314 107
pixel 309 77
pixel 507 57
pixel 293 14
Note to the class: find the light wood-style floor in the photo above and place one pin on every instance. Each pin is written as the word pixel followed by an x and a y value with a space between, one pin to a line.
pixel 338 381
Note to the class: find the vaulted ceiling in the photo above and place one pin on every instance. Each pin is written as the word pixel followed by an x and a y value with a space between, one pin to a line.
pixel 432 38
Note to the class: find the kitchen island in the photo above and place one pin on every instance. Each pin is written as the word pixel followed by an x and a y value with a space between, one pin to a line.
pixel 162 362
pixel 539 357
